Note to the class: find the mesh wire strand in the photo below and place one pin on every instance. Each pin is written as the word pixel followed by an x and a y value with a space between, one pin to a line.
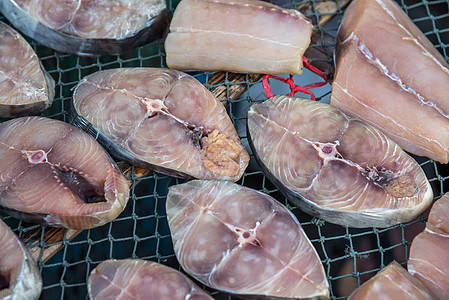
pixel 349 255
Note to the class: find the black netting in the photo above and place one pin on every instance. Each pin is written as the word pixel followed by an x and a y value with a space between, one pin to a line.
pixel 349 255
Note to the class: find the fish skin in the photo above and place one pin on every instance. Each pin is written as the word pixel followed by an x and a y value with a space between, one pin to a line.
pixel 73 26
pixel 290 136
pixel 239 36
pixel 252 227
pixel 69 163
pixel 431 267
pixel 26 88
pixel 126 109
pixel 401 81
pixel 25 279
pixel 392 282
pixel 141 279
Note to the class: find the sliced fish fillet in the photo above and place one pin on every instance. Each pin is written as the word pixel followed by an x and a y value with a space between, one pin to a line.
pixel 334 166
pixel 160 119
pixel 391 76
pixel 243 242
pixel 392 282
pixel 140 279
pixel 429 259
pixel 55 174
pixel 239 36
pixel 25 87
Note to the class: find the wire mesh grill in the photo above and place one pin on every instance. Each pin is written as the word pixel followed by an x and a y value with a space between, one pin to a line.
pixel 349 255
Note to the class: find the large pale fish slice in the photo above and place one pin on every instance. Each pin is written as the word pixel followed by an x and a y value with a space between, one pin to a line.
pixel 392 283
pixel 89 27
pixel 391 76
pixel 25 87
pixel 55 174
pixel 239 36
pixel 20 278
pixel 429 258
pixel 140 279
pixel 160 119
pixel 336 167
pixel 243 242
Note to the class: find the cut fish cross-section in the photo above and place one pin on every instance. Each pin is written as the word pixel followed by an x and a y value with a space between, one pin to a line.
pixel 26 88
pixel 160 119
pixel 243 242
pixel 55 174
pixel 336 167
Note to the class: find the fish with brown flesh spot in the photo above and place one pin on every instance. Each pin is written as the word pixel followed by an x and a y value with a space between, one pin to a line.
pixel 391 76
pixel 243 242
pixel 25 86
pixel 238 36
pixel 392 283
pixel 334 166
pixel 141 279
pixel 89 27
pixel 429 258
pixel 55 174
pixel 160 119
pixel 20 278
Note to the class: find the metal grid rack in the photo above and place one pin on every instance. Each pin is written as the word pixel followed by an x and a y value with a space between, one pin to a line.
pixel 349 255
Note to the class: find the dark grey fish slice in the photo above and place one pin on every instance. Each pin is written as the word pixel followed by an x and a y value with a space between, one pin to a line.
pixel 155 27
pixel 159 119
pixel 336 167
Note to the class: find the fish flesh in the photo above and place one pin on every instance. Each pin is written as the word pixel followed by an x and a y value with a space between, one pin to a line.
pixel 141 279
pixel 238 36
pixel 26 88
pixel 241 241
pixel 401 82
pixel 160 119
pixel 20 278
pixel 392 282
pixel 55 174
pixel 89 27
pixel 429 259
pixel 334 166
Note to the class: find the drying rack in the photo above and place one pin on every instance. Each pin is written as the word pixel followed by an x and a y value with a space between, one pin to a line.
pixel 349 255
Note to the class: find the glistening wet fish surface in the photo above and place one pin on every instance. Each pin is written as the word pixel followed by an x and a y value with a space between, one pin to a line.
pixel 25 87
pixel 429 259
pixel 89 27
pixel 160 119
pixel 20 278
pixel 392 282
pixel 334 166
pixel 239 36
pixel 141 279
pixel 55 174
pixel 243 242
pixel 390 75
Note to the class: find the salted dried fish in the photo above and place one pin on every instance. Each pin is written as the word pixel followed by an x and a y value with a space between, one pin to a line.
pixel 141 279
pixel 20 278
pixel 243 242
pixel 429 259
pixel 401 82
pixel 55 174
pixel 336 167
pixel 25 87
pixel 160 119
pixel 89 27
pixel 392 282
pixel 239 36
